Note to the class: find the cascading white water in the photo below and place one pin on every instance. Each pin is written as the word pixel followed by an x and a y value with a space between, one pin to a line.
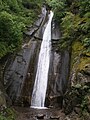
pixel 40 85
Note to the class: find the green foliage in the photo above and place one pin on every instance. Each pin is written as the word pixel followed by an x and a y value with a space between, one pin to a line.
pixel 7 114
pixel 81 91
pixel 58 6
pixel 84 6
pixel 74 19
pixel 13 5
pixel 9 5
pixel 77 97
pixel 70 27
pixel 86 42
pixel 10 33
pixel 14 16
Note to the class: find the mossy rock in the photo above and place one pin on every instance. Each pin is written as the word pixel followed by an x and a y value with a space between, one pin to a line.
pixel 80 62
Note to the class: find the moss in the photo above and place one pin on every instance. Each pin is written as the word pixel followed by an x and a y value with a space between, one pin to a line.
pixel 7 114
pixel 79 60
pixel 83 62
pixel 77 48
pixel 79 56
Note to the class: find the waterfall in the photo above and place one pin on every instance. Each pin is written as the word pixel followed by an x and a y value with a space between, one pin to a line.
pixel 40 85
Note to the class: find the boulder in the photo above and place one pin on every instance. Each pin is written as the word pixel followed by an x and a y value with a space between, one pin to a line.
pixel 87 69
pixel 40 116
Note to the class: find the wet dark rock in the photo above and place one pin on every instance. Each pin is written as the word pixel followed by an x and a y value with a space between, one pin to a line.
pixel 55 31
pixel 38 22
pixel 55 101
pixel 58 78
pixel 38 25
pixel 17 70
pixel 40 116
pixel 39 33
pixel 31 31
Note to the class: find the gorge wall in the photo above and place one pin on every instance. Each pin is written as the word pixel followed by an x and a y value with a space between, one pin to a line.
pixel 20 73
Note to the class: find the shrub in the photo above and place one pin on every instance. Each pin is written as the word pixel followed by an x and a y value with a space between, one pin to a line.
pixel 58 7
pixel 10 33
pixel 7 114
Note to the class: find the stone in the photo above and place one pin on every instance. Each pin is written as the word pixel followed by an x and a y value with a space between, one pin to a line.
pixel 40 116
pixel 77 110
pixel 87 69
pixel 67 118
pixel 56 117
pixel 38 22
pixel 82 78
pixel 55 32
pixel 31 31
pixel 15 74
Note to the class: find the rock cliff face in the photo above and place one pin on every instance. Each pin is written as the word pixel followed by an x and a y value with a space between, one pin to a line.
pixel 17 71
pixel 20 72
pixel 77 98
pixel 66 70
pixel 58 77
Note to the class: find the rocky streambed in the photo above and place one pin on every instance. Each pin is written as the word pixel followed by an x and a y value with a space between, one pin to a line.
pixel 45 114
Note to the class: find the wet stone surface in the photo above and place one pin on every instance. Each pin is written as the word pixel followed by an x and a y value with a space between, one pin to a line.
pixel 39 114
pixel 17 71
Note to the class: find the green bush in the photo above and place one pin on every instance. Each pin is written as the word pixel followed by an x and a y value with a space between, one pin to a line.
pixel 84 6
pixel 58 6
pixel 14 16
pixel 10 33
pixel 74 19
pixel 7 114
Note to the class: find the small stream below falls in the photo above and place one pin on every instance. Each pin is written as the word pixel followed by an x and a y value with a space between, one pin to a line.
pixel 37 75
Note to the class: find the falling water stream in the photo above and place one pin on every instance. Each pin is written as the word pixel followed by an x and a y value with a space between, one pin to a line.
pixel 40 85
